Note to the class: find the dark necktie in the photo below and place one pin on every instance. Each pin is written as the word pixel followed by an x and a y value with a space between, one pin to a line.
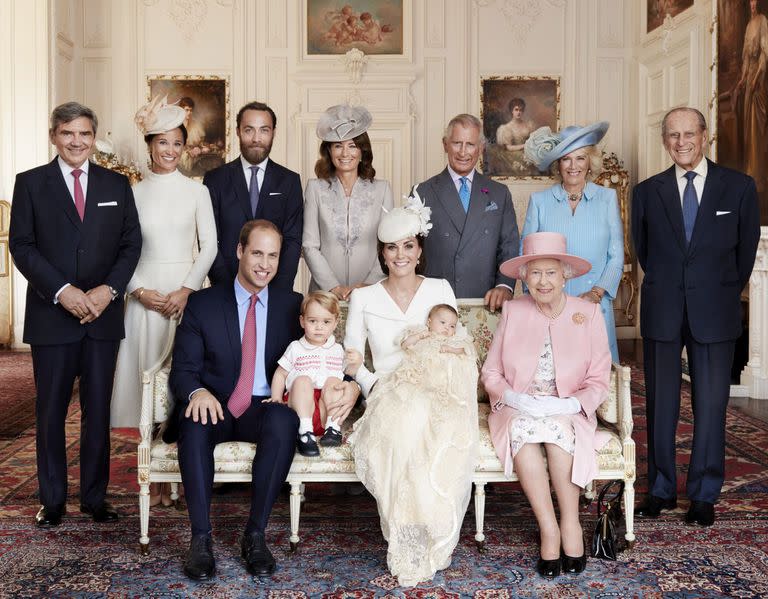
pixel 690 205
pixel 79 195
pixel 464 193
pixel 254 190
pixel 240 399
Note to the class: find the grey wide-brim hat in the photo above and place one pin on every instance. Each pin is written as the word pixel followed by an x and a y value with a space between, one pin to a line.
pixel 543 147
pixel 343 122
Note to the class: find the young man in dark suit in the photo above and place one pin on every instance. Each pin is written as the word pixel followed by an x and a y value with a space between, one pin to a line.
pixel 474 228
pixel 75 237
pixel 253 186
pixel 696 227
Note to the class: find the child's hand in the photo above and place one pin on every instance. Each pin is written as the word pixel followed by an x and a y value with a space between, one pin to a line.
pixel 353 360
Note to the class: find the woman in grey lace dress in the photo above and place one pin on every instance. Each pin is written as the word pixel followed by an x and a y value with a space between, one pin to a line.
pixel 343 206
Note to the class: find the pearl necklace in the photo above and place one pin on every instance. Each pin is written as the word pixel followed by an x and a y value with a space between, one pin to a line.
pixel 553 316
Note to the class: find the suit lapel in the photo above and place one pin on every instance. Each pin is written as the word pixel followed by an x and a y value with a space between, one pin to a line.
pixel 60 194
pixel 713 186
pixel 448 197
pixel 232 325
pixel 476 209
pixel 269 183
pixel 237 181
pixel 669 195
pixel 95 186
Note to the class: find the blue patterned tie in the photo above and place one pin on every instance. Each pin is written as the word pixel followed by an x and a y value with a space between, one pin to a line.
pixel 464 193
pixel 254 190
pixel 690 205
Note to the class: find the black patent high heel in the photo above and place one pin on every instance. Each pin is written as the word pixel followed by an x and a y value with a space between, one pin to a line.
pixel 548 568
pixel 574 565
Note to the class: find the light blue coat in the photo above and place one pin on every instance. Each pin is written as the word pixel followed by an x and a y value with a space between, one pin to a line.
pixel 594 233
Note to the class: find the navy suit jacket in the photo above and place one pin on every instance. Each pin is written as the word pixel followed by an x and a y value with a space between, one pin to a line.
pixel 280 201
pixel 207 349
pixel 706 276
pixel 467 249
pixel 51 246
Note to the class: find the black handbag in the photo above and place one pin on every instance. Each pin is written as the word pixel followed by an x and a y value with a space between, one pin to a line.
pixel 605 541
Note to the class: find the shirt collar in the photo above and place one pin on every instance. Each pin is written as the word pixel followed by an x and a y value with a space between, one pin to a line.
pixel 701 170
pixel 590 191
pixel 242 296
pixel 304 342
pixel 247 165
pixel 456 176
pixel 66 170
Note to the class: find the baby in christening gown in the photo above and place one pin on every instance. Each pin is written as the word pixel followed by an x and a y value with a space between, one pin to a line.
pixel 422 481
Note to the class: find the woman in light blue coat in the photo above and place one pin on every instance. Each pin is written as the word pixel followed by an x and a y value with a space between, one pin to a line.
pixel 587 214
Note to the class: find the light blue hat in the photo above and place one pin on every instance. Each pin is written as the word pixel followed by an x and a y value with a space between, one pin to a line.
pixel 543 147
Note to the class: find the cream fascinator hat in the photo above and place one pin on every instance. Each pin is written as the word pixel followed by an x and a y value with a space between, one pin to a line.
pixel 343 122
pixel 158 116
pixel 408 220
pixel 538 246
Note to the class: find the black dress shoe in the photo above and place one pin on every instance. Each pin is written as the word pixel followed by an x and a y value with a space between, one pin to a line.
pixel 200 564
pixel 701 512
pixel 259 560
pixel 331 437
pixel 574 565
pixel 104 512
pixel 48 517
pixel 548 568
pixel 652 506
pixel 307 445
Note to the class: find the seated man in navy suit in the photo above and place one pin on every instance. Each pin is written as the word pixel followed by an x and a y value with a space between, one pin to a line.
pixel 225 355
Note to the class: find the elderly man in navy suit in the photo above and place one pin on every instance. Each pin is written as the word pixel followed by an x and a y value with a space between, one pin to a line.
pixel 474 228
pixel 696 227
pixel 254 186
pixel 75 237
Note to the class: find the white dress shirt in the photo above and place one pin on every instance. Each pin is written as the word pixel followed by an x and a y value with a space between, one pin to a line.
pixel 247 171
pixel 698 181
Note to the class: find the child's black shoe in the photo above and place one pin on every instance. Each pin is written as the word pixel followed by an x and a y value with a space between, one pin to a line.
pixel 331 437
pixel 307 445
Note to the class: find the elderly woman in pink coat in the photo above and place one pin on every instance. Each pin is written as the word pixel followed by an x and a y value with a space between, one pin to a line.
pixel 547 371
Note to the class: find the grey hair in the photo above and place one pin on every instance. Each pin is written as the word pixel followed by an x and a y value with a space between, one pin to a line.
pixel 699 116
pixel 595 157
pixel 465 120
pixel 568 272
pixel 65 113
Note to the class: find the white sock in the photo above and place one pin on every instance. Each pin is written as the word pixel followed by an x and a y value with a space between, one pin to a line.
pixel 305 425
pixel 331 423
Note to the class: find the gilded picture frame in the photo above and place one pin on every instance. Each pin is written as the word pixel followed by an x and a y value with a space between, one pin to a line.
pixel 206 99
pixel 506 127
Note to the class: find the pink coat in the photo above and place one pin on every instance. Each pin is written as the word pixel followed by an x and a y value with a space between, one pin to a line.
pixel 582 370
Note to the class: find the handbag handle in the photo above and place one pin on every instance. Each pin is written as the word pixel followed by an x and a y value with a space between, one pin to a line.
pixel 604 490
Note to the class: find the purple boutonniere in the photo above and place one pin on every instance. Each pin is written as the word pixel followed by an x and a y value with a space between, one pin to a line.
pixel 484 190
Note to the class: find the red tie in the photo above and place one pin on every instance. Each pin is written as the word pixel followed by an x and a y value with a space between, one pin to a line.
pixel 241 397
pixel 79 197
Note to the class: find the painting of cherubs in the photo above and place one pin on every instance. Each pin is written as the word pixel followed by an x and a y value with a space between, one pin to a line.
pixel 337 26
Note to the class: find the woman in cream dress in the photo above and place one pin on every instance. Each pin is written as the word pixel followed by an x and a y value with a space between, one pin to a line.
pixel 342 207
pixel 176 218
pixel 415 448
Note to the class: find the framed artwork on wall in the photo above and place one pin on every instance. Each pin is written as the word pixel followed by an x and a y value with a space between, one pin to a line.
pixel 741 122
pixel 206 100
pixel 511 108
pixel 657 11
pixel 375 27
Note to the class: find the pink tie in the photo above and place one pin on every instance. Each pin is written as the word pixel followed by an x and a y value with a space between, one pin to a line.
pixel 79 197
pixel 241 397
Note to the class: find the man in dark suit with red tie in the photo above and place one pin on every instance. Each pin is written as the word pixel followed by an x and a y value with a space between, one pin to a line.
pixel 696 227
pixel 75 236
pixel 254 186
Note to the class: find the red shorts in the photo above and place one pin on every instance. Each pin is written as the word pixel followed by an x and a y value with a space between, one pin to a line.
pixel 317 425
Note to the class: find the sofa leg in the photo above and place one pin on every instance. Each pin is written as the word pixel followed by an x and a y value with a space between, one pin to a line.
pixel 144 517
pixel 175 494
pixel 480 515
pixel 629 511
pixel 295 503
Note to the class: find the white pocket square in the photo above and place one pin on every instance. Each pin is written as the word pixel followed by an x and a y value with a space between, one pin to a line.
pixel 275 193
pixel 107 203
pixel 722 212
pixel 491 206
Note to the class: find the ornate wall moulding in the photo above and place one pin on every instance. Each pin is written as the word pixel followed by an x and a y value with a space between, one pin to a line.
pixel 521 15
pixel 354 63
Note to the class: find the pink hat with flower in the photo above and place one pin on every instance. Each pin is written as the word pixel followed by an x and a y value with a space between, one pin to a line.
pixel 540 246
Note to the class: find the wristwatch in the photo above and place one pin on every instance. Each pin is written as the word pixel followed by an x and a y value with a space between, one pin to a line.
pixel 113 291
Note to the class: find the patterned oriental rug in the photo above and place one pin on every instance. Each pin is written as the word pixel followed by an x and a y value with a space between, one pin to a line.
pixel 17 393
pixel 343 554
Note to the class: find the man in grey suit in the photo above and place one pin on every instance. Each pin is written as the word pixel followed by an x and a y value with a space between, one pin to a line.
pixel 474 228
